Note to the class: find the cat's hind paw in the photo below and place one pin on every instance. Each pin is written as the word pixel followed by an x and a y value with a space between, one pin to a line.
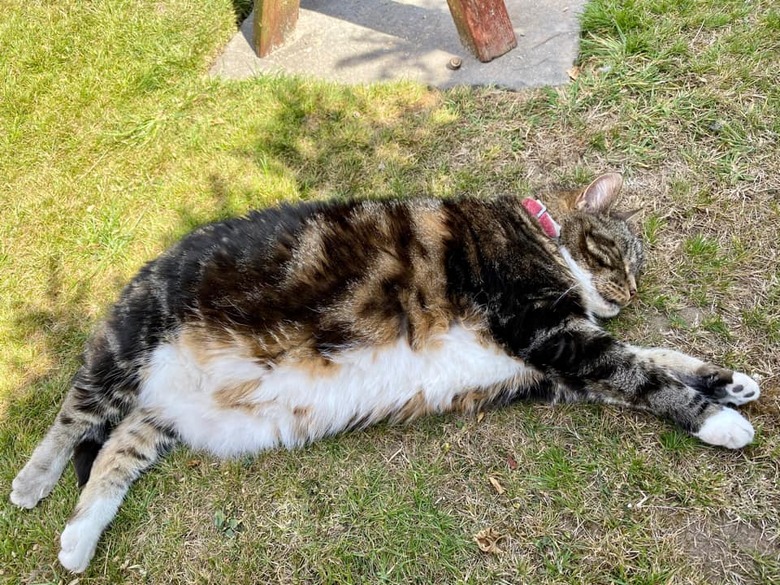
pixel 726 428
pixel 31 486
pixel 77 545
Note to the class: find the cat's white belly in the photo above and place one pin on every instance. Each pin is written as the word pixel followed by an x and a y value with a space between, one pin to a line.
pixel 290 406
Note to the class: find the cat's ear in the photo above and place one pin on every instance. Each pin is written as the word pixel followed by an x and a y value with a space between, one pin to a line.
pixel 599 196
pixel 626 215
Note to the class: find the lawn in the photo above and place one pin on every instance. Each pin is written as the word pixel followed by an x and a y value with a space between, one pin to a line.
pixel 114 142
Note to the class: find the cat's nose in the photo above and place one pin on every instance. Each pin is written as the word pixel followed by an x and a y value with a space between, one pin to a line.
pixel 631 286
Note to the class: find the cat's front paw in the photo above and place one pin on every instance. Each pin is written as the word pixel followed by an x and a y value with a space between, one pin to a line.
pixel 741 390
pixel 77 545
pixel 726 428
pixel 725 386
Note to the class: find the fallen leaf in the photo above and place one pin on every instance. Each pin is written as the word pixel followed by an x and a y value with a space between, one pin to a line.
pixel 219 519
pixel 574 73
pixel 487 540
pixel 193 463
pixel 510 461
pixel 496 486
pixel 480 416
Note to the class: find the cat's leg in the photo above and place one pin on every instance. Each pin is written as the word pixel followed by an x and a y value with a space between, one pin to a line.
pixel 719 384
pixel 586 359
pixel 134 445
pixel 39 476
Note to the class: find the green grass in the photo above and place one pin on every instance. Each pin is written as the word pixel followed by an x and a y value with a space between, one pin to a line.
pixel 114 143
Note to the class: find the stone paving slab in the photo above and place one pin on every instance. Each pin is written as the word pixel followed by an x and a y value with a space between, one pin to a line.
pixel 365 41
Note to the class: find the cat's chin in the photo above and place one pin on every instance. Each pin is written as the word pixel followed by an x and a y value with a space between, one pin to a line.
pixel 604 309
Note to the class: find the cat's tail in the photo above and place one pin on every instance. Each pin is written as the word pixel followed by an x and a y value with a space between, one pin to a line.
pixel 86 451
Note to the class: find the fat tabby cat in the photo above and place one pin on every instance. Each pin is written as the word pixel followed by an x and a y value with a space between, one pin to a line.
pixel 300 321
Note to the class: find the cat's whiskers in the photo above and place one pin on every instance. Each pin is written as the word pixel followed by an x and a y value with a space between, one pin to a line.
pixel 566 292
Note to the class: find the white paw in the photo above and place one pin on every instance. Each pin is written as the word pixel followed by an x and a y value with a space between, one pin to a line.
pixel 78 543
pixel 743 389
pixel 726 428
pixel 31 486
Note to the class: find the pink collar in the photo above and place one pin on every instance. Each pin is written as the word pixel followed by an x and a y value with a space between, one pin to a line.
pixel 539 211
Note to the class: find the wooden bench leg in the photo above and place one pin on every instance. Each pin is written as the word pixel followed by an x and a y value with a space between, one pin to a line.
pixel 484 27
pixel 274 21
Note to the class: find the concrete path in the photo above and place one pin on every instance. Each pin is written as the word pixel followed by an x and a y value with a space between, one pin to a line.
pixel 363 41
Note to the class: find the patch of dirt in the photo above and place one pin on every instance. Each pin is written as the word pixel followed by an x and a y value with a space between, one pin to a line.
pixel 722 548
pixel 692 316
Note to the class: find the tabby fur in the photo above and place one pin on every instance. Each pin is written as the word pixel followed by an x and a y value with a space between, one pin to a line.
pixel 300 321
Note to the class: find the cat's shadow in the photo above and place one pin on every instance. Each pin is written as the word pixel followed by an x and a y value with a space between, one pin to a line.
pixel 57 328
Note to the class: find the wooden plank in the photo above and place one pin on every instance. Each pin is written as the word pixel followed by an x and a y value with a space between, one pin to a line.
pixel 484 27
pixel 274 21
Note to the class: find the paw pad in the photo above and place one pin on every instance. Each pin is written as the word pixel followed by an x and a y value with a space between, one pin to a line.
pixel 741 390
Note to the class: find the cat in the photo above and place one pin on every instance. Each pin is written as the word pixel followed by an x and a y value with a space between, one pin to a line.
pixel 300 321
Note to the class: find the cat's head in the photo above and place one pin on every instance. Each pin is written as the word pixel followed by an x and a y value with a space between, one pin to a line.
pixel 602 242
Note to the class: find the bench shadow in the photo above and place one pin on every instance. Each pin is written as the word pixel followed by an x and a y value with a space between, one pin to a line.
pixel 397 19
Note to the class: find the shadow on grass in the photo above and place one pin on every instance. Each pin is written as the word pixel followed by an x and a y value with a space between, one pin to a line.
pixel 343 142
pixel 385 141
pixel 57 328
pixel 242 8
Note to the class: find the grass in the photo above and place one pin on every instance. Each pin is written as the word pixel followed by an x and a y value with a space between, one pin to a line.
pixel 113 143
